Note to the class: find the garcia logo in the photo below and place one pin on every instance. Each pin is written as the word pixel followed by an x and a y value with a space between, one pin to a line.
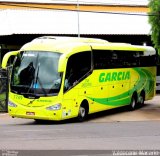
pixel 114 76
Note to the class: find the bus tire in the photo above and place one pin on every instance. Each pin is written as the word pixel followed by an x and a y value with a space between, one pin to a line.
pixel 82 113
pixel 133 103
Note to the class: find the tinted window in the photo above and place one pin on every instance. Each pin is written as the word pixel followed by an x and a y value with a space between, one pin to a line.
pixel 104 59
pixel 78 67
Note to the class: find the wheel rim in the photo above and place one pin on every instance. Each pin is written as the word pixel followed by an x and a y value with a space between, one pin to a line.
pixel 141 99
pixel 133 103
pixel 82 112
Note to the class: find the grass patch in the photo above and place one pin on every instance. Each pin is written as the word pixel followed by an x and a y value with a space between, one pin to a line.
pixel 2 102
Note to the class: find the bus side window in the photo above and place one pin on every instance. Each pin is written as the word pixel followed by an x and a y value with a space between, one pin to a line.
pixel 102 59
pixel 147 59
pixel 78 66
pixel 128 59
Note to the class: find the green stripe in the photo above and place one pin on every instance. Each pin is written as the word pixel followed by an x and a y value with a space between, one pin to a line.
pixel 124 98
pixel 149 85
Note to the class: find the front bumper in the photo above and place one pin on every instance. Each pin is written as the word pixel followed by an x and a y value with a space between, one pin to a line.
pixel 35 113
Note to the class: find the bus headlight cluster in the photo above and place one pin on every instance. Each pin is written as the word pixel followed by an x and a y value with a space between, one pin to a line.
pixel 54 107
pixel 11 104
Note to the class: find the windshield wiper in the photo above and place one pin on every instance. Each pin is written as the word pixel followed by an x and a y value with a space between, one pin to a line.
pixel 38 80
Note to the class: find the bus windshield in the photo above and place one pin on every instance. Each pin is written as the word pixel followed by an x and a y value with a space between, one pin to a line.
pixel 36 73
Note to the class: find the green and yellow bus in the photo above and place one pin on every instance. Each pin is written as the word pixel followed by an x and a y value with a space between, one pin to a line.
pixel 57 78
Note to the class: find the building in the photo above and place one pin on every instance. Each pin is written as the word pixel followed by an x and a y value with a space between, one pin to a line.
pixel 113 20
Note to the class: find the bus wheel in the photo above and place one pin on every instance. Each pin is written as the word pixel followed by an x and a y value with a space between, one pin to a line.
pixel 83 112
pixel 133 103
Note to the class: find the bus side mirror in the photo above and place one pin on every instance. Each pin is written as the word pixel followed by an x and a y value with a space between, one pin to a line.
pixel 6 58
pixel 62 63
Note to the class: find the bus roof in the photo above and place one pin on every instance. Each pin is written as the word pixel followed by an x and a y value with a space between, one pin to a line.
pixel 67 44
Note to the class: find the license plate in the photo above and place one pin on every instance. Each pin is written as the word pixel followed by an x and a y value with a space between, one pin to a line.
pixel 30 113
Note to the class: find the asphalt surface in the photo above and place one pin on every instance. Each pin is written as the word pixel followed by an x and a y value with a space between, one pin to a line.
pixel 104 132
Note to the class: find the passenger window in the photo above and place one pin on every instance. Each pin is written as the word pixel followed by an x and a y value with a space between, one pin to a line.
pixel 102 59
pixel 78 67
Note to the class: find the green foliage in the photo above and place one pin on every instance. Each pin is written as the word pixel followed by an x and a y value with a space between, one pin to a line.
pixel 154 20
pixel 2 102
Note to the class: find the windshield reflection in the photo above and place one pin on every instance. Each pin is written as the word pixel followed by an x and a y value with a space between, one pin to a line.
pixel 36 73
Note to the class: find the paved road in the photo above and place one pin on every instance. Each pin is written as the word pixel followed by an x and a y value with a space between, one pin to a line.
pixel 111 130
pixel 114 135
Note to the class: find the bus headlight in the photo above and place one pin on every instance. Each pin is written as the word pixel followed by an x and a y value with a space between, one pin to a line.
pixel 11 104
pixel 54 107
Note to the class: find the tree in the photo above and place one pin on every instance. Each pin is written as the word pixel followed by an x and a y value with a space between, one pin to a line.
pixel 154 20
